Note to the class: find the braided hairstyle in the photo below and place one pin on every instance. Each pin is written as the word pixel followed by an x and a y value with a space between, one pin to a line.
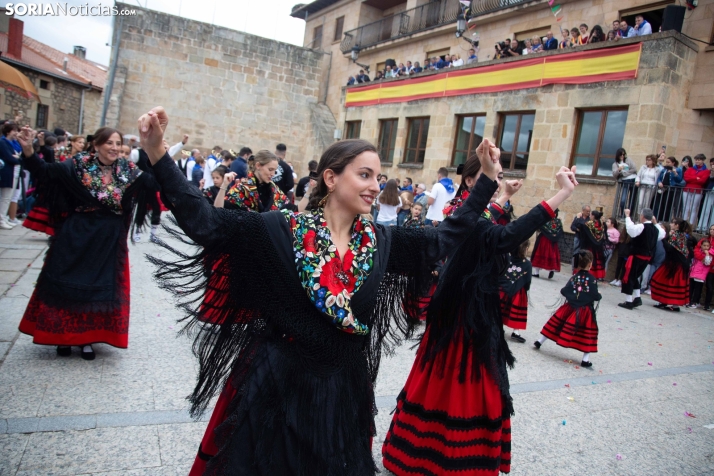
pixel 336 157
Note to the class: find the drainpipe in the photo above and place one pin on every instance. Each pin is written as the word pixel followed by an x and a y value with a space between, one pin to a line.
pixel 327 83
pixel 112 73
pixel 81 110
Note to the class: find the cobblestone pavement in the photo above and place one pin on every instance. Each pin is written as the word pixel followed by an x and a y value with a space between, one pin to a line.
pixel 646 408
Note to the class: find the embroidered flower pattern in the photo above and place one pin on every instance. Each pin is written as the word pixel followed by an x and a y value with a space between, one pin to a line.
pixel 515 272
pixel 331 280
pixel 581 283
pixel 678 240
pixel 244 194
pixel 106 183
pixel 553 227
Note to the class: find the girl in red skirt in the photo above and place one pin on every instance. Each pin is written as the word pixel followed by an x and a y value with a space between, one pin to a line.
pixel 453 414
pixel 546 254
pixel 670 283
pixel 514 286
pixel 574 324
pixel 594 236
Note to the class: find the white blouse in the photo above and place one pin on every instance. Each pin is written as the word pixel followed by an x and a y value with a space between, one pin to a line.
pixel 647 175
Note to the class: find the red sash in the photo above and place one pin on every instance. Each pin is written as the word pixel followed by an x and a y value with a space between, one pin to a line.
pixel 628 265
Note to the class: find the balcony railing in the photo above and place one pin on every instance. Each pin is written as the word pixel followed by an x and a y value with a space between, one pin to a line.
pixel 696 206
pixel 421 18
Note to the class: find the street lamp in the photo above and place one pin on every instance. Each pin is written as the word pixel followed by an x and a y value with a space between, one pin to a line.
pixel 354 56
pixel 460 25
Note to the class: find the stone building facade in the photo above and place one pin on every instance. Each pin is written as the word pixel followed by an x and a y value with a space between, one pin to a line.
pixel 219 86
pixel 667 104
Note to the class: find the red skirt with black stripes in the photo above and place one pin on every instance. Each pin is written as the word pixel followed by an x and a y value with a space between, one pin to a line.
pixel 442 426
pixel 39 220
pixel 674 290
pixel 546 255
pixel 574 328
pixel 514 309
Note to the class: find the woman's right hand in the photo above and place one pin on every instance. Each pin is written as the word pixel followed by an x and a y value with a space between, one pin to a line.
pixel 152 126
pixel 566 179
pixel 489 155
pixel 25 138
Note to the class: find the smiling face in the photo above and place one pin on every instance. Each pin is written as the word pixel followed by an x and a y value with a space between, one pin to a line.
pixel 109 151
pixel 266 172
pixel 354 190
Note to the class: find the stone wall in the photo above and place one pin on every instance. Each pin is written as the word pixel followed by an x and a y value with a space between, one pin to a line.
pixel 655 102
pixel 219 86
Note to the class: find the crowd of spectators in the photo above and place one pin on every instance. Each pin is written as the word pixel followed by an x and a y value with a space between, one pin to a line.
pixel 571 38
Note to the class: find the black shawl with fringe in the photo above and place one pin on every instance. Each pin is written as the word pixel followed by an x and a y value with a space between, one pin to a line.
pixel 466 303
pixel 266 316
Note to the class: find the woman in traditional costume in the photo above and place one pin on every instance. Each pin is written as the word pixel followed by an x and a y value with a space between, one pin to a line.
pixel 514 286
pixel 670 283
pixel 298 370
pixel 82 294
pixel 593 238
pixel 574 324
pixel 546 253
pixel 257 192
pixel 454 412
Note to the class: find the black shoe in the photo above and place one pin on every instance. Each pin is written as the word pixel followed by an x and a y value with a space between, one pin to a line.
pixel 536 344
pixel 586 365
pixel 706 308
pixel 550 275
pixel 88 355
pixel 660 306
pixel 673 308
pixel 626 305
pixel 636 302
pixel 517 337
pixel 64 351
pixel 536 275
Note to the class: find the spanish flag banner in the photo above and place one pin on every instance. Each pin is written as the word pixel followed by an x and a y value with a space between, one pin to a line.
pixel 608 64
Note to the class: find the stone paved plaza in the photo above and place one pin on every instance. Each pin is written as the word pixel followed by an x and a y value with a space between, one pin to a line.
pixel 646 407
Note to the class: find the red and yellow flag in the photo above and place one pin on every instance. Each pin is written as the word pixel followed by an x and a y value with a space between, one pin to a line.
pixel 609 64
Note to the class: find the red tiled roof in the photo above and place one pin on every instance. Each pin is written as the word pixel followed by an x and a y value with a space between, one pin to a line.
pixel 40 56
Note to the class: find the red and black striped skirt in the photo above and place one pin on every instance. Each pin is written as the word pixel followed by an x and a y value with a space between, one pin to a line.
pixel 442 426
pixel 598 268
pixel 574 328
pixel 39 220
pixel 674 290
pixel 514 309
pixel 546 255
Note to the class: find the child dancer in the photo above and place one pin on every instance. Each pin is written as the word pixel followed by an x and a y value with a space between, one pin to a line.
pixel 217 176
pixel 669 283
pixel 513 290
pixel 613 238
pixel 574 324
pixel 546 254
pixel 700 269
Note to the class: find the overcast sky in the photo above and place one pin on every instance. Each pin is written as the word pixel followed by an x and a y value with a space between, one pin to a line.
pixel 269 19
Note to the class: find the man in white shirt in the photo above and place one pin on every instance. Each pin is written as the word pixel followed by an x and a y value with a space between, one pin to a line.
pixel 642 26
pixel 644 237
pixel 442 191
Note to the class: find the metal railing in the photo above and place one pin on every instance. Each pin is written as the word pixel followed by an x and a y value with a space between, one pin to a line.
pixel 695 206
pixel 421 18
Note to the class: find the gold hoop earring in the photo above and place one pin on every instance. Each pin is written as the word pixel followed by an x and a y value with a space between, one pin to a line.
pixel 323 202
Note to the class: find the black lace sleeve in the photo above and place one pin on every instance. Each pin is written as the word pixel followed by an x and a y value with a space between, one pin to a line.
pixel 201 222
pixel 505 239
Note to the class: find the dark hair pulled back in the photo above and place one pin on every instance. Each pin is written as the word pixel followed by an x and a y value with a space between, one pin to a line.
pixel 470 169
pixel 336 157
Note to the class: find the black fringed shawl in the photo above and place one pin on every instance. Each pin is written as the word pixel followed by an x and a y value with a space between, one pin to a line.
pixel 466 303
pixel 267 317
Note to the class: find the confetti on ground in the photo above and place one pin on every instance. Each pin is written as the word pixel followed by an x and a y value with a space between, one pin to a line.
pixel 649 363
pixel 158 315
pixel 593 382
pixel 674 384
pixel 577 367
pixel 619 328
pixel 690 429
pixel 171 327
pixel 618 457
pixel 609 381
pixel 690 415
pixel 567 385
pixel 563 422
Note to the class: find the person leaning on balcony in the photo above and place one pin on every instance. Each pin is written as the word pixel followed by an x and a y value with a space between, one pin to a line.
pixel 417 68
pixel 696 177
pixel 642 26
pixel 670 176
pixel 472 57
pixel 626 31
pixel 566 42
pixel 616 27
pixel 389 72
pixel 511 48
pixel 550 43
pixel 379 76
pixel 612 35
pixel 537 46
pixel 362 77
pixel 597 35
pixel 584 37
pixel 456 60
pixel 351 81
pixel 707 217
pixel 527 46
pixel 646 181
pixel 575 39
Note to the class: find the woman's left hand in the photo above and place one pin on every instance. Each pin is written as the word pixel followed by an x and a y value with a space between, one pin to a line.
pixel 25 138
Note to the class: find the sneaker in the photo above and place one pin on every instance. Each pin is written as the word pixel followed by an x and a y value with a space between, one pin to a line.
pixel 585 364
pixel 637 302
pixel 153 238
pixel 136 238
pixel 692 306
pixel 14 221
pixel 536 344
pixel 5 226
pixel 616 282
pixel 648 292
pixel 517 338
pixel 550 275
pixel 626 305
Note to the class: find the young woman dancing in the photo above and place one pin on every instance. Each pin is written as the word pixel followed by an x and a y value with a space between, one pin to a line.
pixel 454 410
pixel 298 372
